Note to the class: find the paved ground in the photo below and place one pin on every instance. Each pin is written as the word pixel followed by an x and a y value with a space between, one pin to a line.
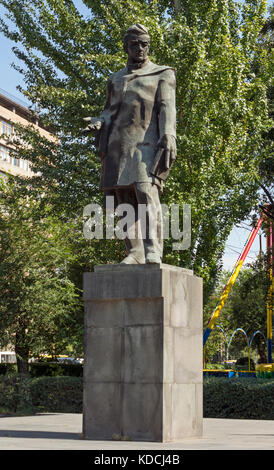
pixel 57 431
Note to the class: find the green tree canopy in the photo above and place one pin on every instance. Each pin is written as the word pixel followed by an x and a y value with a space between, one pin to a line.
pixel 222 108
pixel 266 43
pixel 40 309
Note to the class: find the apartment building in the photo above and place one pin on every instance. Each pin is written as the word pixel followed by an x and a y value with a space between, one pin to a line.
pixel 14 112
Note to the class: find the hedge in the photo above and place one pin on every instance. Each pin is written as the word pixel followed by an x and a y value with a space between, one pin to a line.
pixel 15 395
pixel 8 368
pixel 54 369
pixel 57 394
pixel 22 395
pixel 49 369
pixel 248 398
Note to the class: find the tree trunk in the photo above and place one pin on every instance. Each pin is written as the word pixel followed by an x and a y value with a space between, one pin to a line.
pixel 22 365
pixel 261 352
pixel 22 353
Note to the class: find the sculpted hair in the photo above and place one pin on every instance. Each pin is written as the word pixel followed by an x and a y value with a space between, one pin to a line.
pixel 138 30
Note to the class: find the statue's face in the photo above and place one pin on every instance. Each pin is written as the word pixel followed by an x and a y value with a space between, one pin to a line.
pixel 137 48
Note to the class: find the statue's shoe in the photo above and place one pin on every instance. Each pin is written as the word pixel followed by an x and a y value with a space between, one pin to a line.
pixel 130 259
pixel 153 258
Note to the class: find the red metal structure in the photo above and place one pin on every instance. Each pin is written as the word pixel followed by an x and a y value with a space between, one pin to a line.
pixel 270 261
pixel 267 213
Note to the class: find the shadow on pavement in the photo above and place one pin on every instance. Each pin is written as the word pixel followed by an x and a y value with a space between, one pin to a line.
pixel 39 434
pixel 14 415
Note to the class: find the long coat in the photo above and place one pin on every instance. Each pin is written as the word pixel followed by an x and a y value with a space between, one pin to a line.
pixel 140 109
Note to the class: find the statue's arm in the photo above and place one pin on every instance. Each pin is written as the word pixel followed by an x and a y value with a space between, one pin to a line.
pixel 166 101
pixel 95 124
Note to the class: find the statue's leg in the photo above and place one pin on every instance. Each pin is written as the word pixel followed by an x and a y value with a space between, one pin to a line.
pixel 134 245
pixel 148 194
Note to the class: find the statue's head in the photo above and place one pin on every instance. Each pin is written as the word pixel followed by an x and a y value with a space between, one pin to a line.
pixel 136 43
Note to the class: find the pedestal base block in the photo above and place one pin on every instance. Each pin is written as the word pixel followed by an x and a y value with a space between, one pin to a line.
pixel 143 353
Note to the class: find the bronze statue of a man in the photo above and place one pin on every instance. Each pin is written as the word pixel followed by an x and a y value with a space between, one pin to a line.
pixel 136 135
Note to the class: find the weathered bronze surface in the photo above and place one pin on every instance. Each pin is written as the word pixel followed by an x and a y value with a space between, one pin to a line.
pixel 136 137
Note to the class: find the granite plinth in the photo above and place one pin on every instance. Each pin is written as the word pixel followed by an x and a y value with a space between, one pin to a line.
pixel 143 353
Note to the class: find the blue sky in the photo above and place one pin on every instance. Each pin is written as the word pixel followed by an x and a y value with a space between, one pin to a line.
pixel 9 78
pixel 9 81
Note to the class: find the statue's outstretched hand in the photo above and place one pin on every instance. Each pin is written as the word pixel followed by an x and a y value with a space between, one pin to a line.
pixel 167 145
pixel 94 125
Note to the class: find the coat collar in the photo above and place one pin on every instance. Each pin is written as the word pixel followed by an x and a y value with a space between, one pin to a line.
pixel 134 67
pixel 148 69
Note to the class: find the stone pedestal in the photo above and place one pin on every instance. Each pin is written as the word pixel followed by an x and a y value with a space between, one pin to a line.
pixel 143 353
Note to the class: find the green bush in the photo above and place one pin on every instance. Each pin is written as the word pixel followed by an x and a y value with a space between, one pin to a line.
pixel 57 394
pixel 8 368
pixel 248 398
pixel 48 369
pixel 242 364
pixel 23 395
pixel 54 369
pixel 216 366
pixel 15 394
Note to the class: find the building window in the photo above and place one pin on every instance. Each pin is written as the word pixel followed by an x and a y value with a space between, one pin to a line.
pixel 6 128
pixel 4 154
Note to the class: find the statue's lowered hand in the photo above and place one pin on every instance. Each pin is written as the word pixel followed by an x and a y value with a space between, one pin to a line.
pixel 165 155
pixel 94 125
pixel 167 147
